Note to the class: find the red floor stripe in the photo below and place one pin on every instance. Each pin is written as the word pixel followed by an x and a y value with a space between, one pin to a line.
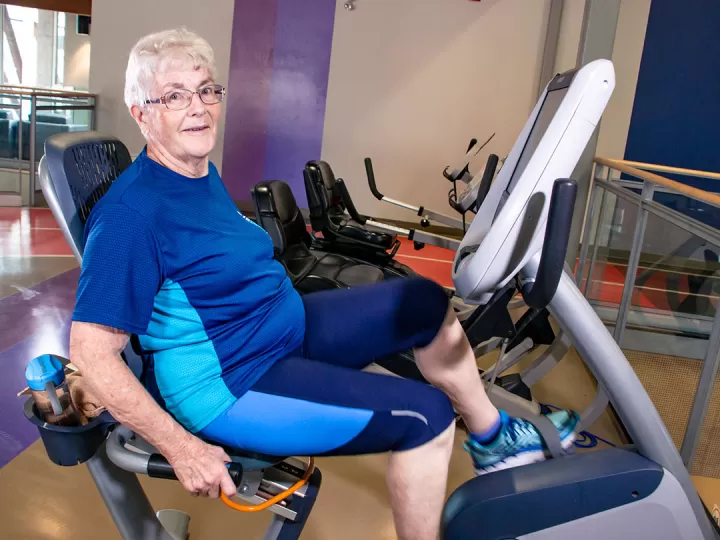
pixel 31 242
pixel 27 217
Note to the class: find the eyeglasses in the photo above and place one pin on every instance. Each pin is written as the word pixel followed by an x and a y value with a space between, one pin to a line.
pixel 176 100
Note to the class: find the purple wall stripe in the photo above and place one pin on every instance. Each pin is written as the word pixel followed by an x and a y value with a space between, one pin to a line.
pixel 279 69
pixel 251 57
pixel 301 67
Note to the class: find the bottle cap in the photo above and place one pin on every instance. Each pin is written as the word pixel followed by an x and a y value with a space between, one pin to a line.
pixel 43 369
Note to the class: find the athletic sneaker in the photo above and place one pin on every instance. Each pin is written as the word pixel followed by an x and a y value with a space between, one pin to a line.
pixel 519 443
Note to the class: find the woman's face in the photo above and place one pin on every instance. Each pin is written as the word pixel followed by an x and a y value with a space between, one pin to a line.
pixel 186 134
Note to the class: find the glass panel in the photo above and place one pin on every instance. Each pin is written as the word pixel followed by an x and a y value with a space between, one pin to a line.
pixel 677 273
pixel 12 171
pixel 611 230
pixel 54 116
pixel 673 304
pixel 23 42
pixel 43 48
pixel 598 226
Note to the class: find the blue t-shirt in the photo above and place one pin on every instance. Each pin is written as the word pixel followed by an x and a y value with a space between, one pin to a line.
pixel 171 259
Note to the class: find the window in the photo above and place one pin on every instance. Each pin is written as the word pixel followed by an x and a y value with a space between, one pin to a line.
pixel 42 48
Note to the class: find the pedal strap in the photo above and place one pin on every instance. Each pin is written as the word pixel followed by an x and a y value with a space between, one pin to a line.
pixel 551 437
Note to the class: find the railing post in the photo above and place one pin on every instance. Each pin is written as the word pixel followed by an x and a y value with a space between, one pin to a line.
pixel 638 237
pixel 587 229
pixel 702 395
pixel 596 245
pixel 20 152
pixel 33 139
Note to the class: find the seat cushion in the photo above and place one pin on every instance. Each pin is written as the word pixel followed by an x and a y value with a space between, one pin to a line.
pixel 360 274
pixel 346 271
pixel 298 260
pixel 380 239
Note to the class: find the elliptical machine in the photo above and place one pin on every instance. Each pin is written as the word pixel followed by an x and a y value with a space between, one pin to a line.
pixel 519 239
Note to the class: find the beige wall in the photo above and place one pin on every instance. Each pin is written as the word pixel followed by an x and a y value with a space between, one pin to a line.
pixel 116 26
pixel 627 53
pixel 77 56
pixel 569 39
pixel 411 81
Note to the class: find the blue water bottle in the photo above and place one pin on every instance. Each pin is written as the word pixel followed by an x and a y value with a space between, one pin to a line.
pixel 45 376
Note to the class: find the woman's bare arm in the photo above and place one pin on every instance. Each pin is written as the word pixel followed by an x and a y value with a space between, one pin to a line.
pixel 95 350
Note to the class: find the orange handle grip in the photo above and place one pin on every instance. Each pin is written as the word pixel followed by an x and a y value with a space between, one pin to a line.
pixel 277 498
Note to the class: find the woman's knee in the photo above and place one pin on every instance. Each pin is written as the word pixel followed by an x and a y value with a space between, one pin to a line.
pixel 429 418
pixel 423 306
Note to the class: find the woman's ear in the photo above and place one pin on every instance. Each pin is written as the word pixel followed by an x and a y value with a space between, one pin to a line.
pixel 140 114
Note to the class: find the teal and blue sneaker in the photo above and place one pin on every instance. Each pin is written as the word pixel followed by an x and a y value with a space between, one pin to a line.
pixel 519 443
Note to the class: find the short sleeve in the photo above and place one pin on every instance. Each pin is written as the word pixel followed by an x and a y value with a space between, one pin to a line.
pixel 121 271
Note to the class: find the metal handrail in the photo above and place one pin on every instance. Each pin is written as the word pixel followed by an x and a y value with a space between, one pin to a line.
pixel 689 191
pixel 671 170
pixel 646 207
pixel 42 99
pixel 20 90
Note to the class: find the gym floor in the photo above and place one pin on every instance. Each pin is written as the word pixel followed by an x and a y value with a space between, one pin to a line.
pixel 39 500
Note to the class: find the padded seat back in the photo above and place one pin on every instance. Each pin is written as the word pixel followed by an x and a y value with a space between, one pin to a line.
pixel 278 213
pixel 324 198
pixel 328 181
pixel 76 171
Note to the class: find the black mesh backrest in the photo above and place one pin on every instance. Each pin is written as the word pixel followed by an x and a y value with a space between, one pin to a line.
pixel 278 213
pixel 75 172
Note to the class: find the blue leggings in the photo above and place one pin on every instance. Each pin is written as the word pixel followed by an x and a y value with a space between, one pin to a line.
pixel 317 401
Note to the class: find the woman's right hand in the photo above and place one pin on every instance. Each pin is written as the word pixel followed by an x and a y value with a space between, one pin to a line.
pixel 201 468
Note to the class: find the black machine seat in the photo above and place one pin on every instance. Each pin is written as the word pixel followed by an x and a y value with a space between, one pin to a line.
pixel 328 212
pixel 278 213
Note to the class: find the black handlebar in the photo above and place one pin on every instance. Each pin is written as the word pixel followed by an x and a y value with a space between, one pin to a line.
pixel 371 179
pixel 348 202
pixel 158 467
pixel 487 179
pixel 557 232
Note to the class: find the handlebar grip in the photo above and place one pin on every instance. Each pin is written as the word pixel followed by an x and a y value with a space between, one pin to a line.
pixel 158 467
pixel 348 202
pixel 557 233
pixel 487 179
pixel 371 179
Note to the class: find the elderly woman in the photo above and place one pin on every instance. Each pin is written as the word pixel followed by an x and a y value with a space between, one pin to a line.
pixel 238 357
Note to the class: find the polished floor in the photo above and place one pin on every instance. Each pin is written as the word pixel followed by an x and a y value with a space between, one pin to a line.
pixel 38 500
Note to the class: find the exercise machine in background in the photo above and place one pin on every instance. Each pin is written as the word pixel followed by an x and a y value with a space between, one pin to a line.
pixel 519 239
pixel 463 202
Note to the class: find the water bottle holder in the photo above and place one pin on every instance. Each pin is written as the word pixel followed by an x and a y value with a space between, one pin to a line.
pixel 70 445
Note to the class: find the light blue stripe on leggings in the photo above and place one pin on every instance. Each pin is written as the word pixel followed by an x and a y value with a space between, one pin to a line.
pixel 281 426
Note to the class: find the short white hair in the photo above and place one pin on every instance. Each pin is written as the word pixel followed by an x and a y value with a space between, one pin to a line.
pixel 154 53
